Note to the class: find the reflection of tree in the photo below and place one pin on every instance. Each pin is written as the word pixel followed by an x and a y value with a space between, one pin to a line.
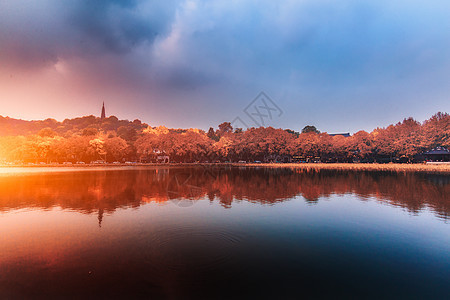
pixel 103 192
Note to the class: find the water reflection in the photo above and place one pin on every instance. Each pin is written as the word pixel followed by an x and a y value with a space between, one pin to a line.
pixel 250 233
pixel 104 191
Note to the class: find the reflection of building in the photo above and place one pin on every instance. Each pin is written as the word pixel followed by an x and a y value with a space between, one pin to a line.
pixel 103 111
pixel 163 159
pixel 437 154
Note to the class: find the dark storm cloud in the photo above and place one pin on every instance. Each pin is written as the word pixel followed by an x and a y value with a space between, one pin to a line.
pixel 118 26
pixel 34 33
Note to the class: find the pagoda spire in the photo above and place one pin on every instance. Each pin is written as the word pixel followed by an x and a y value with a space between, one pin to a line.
pixel 103 111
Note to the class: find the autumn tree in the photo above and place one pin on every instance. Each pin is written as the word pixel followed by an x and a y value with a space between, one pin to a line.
pixel 212 134
pixel 224 128
pixel 115 148
pixel 89 131
pixel 47 132
pixel 310 128
pixel 436 131
pixel 361 145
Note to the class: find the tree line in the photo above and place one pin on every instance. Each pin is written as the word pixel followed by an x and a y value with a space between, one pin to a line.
pixel 88 139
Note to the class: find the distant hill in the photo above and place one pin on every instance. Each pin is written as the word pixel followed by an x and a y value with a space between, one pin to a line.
pixel 15 127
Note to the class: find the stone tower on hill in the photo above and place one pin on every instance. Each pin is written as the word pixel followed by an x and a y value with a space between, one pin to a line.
pixel 103 111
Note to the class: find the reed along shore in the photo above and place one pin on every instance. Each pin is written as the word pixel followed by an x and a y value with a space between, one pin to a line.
pixel 441 168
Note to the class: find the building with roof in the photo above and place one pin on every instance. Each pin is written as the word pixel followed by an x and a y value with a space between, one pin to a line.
pixel 437 154
pixel 345 134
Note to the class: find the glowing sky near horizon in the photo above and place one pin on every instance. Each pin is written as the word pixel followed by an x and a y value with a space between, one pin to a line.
pixel 339 65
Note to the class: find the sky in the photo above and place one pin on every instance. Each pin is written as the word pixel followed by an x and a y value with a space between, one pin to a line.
pixel 341 66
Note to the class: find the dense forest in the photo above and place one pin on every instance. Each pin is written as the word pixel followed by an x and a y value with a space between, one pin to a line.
pixel 88 139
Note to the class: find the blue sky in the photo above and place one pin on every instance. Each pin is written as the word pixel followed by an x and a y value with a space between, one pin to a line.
pixel 339 65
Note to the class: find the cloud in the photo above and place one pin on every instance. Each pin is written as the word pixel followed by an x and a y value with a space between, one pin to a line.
pixel 119 26
pixel 350 58
pixel 32 32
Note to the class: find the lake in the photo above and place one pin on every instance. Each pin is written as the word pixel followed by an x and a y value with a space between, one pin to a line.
pixel 222 232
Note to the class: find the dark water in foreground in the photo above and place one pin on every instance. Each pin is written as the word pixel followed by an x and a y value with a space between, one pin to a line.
pixel 222 233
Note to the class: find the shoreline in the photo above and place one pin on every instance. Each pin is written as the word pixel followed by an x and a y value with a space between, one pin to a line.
pixel 371 167
pixel 437 168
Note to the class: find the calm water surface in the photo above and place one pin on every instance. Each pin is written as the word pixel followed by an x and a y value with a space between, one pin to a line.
pixel 210 232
